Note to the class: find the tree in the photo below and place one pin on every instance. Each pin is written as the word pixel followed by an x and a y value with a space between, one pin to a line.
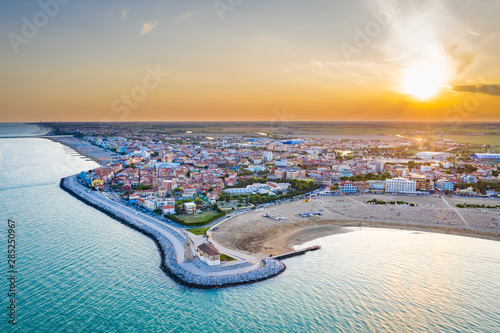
pixel 411 164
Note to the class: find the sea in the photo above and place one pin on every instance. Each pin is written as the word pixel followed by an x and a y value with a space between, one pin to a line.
pixel 78 270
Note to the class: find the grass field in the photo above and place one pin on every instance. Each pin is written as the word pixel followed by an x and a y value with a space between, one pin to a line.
pixel 198 231
pixel 226 257
pixel 203 217
pixel 493 140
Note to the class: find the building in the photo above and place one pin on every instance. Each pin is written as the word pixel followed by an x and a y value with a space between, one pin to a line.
pixel 160 202
pixel 168 209
pixel 346 173
pixel 347 187
pixel 268 156
pixel 281 163
pixel 190 208
pixel 255 168
pixel 377 185
pixel 150 204
pixel 431 155
pixel 486 157
pixel 97 183
pixel 362 186
pixel 208 254
pixel 400 185
pixel 168 158
pixel 376 166
pixel 422 184
pixel 293 142
pixel 295 174
pixel 280 174
pixel 443 185
pixel 466 179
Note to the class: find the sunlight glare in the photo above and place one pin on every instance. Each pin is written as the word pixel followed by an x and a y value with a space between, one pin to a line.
pixel 424 80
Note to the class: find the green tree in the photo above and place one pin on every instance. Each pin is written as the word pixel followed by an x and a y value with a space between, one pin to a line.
pixel 198 201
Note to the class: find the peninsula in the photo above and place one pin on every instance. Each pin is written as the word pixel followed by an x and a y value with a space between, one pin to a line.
pixel 220 207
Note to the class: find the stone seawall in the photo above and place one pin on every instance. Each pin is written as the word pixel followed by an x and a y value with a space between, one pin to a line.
pixel 169 264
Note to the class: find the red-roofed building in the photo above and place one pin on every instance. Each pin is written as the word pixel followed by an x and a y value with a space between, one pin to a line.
pixel 168 209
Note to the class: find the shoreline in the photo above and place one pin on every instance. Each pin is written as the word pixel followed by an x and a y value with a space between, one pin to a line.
pixel 287 240
pixel 76 149
pixel 257 235
pixel 395 226
pixel 169 264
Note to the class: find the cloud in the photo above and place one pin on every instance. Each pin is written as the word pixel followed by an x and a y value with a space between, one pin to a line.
pixel 184 16
pixel 147 28
pixel 124 13
pixel 489 89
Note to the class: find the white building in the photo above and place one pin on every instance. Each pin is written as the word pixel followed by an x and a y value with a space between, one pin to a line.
pixel 268 156
pixel 400 185
pixel 168 209
pixel 425 168
pixel 431 155
pixel 376 166
pixel 281 163
pixel 208 254
pixel 190 207
pixel 150 204
pixel 160 202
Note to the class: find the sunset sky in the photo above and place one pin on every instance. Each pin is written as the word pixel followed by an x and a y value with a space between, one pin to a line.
pixel 284 60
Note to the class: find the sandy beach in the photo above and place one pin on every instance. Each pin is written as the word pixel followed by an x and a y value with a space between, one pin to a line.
pixel 252 232
pixel 84 148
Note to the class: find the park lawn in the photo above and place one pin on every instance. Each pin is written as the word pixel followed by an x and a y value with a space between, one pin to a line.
pixel 226 257
pixel 198 231
pixel 203 217
pixel 493 140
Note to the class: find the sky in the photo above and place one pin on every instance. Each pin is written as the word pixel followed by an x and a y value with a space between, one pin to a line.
pixel 273 60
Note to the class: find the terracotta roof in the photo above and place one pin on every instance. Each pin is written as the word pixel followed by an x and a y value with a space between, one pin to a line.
pixel 208 249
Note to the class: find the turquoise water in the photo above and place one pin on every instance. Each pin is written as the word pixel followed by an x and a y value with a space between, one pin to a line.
pixel 79 270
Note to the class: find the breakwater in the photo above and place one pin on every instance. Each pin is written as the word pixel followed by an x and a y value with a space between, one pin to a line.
pixel 296 253
pixel 269 268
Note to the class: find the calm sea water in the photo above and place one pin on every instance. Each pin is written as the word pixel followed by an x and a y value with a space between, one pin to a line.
pixel 79 270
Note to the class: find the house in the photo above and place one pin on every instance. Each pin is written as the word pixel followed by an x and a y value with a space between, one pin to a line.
pixel 168 209
pixel 208 254
pixel 190 207
pixel 97 183
pixel 150 204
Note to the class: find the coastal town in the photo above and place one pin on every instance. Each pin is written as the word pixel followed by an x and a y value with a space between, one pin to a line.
pixel 190 174
pixel 198 183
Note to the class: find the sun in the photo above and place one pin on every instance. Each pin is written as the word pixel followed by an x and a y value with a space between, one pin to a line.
pixel 423 80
